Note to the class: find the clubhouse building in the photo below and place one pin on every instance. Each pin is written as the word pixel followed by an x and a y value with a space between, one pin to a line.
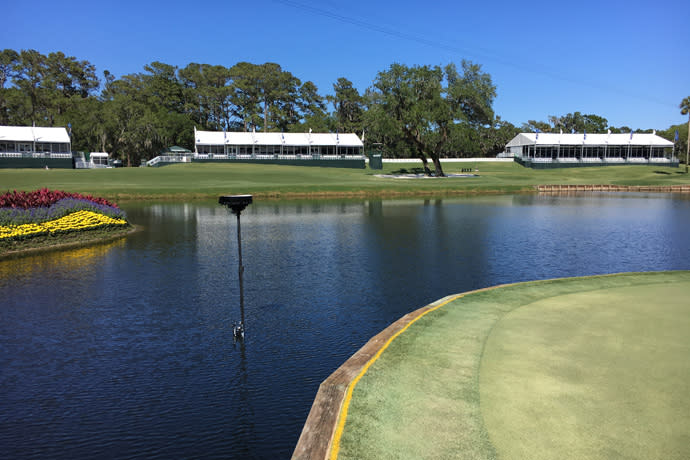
pixel 558 150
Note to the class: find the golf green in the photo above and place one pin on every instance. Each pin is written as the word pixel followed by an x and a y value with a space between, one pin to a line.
pixel 582 368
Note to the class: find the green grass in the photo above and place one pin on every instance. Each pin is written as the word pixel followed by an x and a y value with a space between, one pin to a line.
pixel 585 368
pixel 204 181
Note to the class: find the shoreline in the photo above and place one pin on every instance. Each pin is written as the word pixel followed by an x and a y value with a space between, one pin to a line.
pixel 392 194
pixel 85 239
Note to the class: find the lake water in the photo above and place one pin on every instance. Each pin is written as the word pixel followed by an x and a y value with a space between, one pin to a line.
pixel 125 350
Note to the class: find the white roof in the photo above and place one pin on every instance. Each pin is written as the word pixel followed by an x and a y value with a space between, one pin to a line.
pixel 99 154
pixel 33 134
pixel 244 138
pixel 589 139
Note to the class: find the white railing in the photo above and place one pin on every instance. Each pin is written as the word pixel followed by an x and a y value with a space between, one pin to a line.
pixel 451 160
pixel 34 155
pixel 633 160
pixel 169 159
pixel 219 156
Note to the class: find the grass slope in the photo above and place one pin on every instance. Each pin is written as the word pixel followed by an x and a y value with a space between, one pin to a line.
pixel 194 181
pixel 426 397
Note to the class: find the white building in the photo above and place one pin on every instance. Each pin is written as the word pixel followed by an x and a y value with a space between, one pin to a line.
pixel 36 142
pixel 246 145
pixel 546 150
pixel 99 159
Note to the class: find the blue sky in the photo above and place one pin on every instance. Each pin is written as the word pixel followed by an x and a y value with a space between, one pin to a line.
pixel 628 61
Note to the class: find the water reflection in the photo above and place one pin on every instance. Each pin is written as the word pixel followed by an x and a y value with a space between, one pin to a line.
pixel 126 350
pixel 72 260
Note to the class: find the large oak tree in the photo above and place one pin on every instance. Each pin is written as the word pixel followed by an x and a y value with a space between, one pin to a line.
pixel 426 105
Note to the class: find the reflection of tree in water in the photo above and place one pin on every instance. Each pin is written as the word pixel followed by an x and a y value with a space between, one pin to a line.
pixel 424 249
pixel 64 260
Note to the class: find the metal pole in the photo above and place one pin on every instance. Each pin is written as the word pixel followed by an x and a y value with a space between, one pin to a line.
pixel 236 203
pixel 687 153
pixel 241 270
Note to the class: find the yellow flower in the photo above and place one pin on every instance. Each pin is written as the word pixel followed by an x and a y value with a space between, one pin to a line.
pixel 80 220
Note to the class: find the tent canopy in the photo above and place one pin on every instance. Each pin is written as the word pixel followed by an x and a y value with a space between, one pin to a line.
pixel 34 134
pixel 296 139
pixel 175 149
pixel 644 139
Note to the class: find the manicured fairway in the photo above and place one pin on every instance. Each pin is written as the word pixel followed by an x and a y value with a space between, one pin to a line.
pixel 584 368
pixel 208 181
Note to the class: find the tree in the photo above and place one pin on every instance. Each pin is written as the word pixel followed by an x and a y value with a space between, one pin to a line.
pixel 312 110
pixel 426 105
pixel 66 81
pixel 685 110
pixel 533 126
pixel 207 91
pixel 49 86
pixel 30 71
pixel 348 105
pixel 245 95
pixel 493 138
pixel 680 143
pixel 579 123
pixel 8 63
pixel 265 96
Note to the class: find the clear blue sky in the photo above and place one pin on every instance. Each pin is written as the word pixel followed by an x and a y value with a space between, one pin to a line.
pixel 628 61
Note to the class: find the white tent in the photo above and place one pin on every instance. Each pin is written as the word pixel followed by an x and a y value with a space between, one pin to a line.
pixel 641 139
pixel 293 139
pixel 33 134
pixel 28 139
pixel 240 144
pixel 99 159
pixel 541 149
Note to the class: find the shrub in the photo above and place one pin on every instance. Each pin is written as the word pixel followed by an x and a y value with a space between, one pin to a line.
pixel 43 198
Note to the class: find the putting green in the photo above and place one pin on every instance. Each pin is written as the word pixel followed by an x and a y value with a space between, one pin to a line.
pixel 603 374
pixel 585 368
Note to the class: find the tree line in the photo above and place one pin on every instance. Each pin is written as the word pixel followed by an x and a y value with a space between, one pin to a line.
pixel 425 112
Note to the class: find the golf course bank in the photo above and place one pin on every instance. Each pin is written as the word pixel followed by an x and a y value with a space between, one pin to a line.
pixel 592 367
pixel 201 181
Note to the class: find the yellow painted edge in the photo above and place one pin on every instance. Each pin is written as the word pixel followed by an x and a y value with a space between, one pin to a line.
pixel 335 447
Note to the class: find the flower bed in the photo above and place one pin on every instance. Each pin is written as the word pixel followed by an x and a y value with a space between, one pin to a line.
pixel 45 212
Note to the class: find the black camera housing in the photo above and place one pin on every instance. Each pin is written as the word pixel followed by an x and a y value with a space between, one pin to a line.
pixel 236 203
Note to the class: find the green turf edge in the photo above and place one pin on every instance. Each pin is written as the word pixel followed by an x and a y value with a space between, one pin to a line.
pixel 384 419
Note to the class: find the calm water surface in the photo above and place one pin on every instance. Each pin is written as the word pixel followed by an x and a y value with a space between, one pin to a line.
pixel 125 350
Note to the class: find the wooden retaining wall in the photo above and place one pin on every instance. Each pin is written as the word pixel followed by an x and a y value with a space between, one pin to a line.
pixel 319 429
pixel 613 188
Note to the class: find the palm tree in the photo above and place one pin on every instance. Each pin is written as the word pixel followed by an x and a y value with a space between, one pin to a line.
pixel 685 110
